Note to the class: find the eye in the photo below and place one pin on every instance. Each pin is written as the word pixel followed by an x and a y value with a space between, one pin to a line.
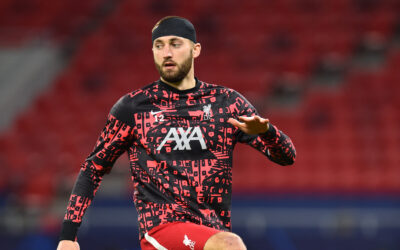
pixel 176 45
pixel 158 46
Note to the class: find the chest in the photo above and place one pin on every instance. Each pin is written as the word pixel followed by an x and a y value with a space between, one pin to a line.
pixel 184 123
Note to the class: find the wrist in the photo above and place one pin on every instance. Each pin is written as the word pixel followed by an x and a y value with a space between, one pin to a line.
pixel 69 231
pixel 270 132
pixel 266 129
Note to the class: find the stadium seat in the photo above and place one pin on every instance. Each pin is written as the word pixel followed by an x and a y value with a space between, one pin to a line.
pixel 247 49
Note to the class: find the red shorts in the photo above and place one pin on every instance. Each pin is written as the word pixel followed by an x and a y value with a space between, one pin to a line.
pixel 177 235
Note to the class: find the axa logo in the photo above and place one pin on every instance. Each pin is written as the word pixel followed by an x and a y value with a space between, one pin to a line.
pixel 183 137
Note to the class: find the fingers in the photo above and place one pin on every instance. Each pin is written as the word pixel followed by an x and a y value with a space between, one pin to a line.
pixel 250 125
pixel 261 120
pixel 235 122
pixel 253 118
pixel 246 118
pixel 264 121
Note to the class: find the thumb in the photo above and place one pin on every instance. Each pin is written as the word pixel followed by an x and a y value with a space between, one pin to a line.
pixel 234 122
pixel 246 118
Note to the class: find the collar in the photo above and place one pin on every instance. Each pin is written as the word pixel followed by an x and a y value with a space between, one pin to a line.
pixel 170 88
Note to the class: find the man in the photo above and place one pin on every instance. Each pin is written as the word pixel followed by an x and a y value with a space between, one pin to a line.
pixel 180 134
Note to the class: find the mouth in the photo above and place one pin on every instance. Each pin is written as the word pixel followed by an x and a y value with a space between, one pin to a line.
pixel 169 65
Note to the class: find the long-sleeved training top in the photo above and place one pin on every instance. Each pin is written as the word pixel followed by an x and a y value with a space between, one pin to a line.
pixel 180 149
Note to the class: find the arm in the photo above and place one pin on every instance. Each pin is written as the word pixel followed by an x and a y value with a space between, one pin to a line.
pixel 279 147
pixel 258 132
pixel 113 141
pixel 265 137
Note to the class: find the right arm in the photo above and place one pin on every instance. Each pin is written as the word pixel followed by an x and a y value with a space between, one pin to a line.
pixel 113 141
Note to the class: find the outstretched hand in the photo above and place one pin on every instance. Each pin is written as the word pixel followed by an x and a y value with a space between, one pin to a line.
pixel 251 125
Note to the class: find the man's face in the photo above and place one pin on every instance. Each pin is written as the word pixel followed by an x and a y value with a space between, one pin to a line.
pixel 173 57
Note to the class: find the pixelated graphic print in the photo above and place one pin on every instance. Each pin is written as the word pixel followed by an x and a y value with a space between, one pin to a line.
pixel 180 149
pixel 76 208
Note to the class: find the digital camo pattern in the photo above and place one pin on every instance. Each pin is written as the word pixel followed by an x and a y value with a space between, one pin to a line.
pixel 180 150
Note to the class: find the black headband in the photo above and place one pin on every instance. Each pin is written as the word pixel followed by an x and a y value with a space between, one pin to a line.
pixel 175 26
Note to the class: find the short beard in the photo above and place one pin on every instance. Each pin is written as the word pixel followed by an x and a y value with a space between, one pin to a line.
pixel 180 74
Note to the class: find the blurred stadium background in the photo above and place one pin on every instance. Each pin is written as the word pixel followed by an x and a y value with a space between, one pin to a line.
pixel 325 71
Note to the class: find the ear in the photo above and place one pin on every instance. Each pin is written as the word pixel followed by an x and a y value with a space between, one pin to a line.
pixel 196 50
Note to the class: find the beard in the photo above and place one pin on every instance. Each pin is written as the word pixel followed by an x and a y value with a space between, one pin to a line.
pixel 178 75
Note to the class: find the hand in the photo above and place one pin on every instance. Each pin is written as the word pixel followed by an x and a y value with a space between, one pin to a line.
pixel 68 245
pixel 251 125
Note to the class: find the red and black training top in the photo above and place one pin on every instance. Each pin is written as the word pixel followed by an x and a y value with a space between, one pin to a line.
pixel 180 149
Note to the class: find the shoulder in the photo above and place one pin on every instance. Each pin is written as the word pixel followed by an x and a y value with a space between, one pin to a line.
pixel 130 99
pixel 217 88
pixel 127 105
pixel 236 100
pixel 231 95
pixel 126 102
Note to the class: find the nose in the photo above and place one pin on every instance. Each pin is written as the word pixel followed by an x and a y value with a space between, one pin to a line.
pixel 167 52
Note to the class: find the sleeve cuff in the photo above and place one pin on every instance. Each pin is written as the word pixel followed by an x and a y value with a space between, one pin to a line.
pixel 271 132
pixel 69 230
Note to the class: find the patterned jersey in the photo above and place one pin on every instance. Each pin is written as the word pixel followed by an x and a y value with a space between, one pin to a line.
pixel 180 149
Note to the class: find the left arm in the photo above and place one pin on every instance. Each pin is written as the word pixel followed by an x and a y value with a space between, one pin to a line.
pixel 265 137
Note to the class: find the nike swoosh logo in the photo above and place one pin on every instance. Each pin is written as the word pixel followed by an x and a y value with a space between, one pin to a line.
pixel 156 112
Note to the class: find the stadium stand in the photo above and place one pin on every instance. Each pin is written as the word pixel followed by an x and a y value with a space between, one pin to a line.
pixel 331 130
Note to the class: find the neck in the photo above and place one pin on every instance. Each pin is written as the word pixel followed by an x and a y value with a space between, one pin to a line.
pixel 187 83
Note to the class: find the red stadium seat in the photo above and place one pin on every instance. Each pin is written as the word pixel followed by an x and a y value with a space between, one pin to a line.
pixel 335 131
